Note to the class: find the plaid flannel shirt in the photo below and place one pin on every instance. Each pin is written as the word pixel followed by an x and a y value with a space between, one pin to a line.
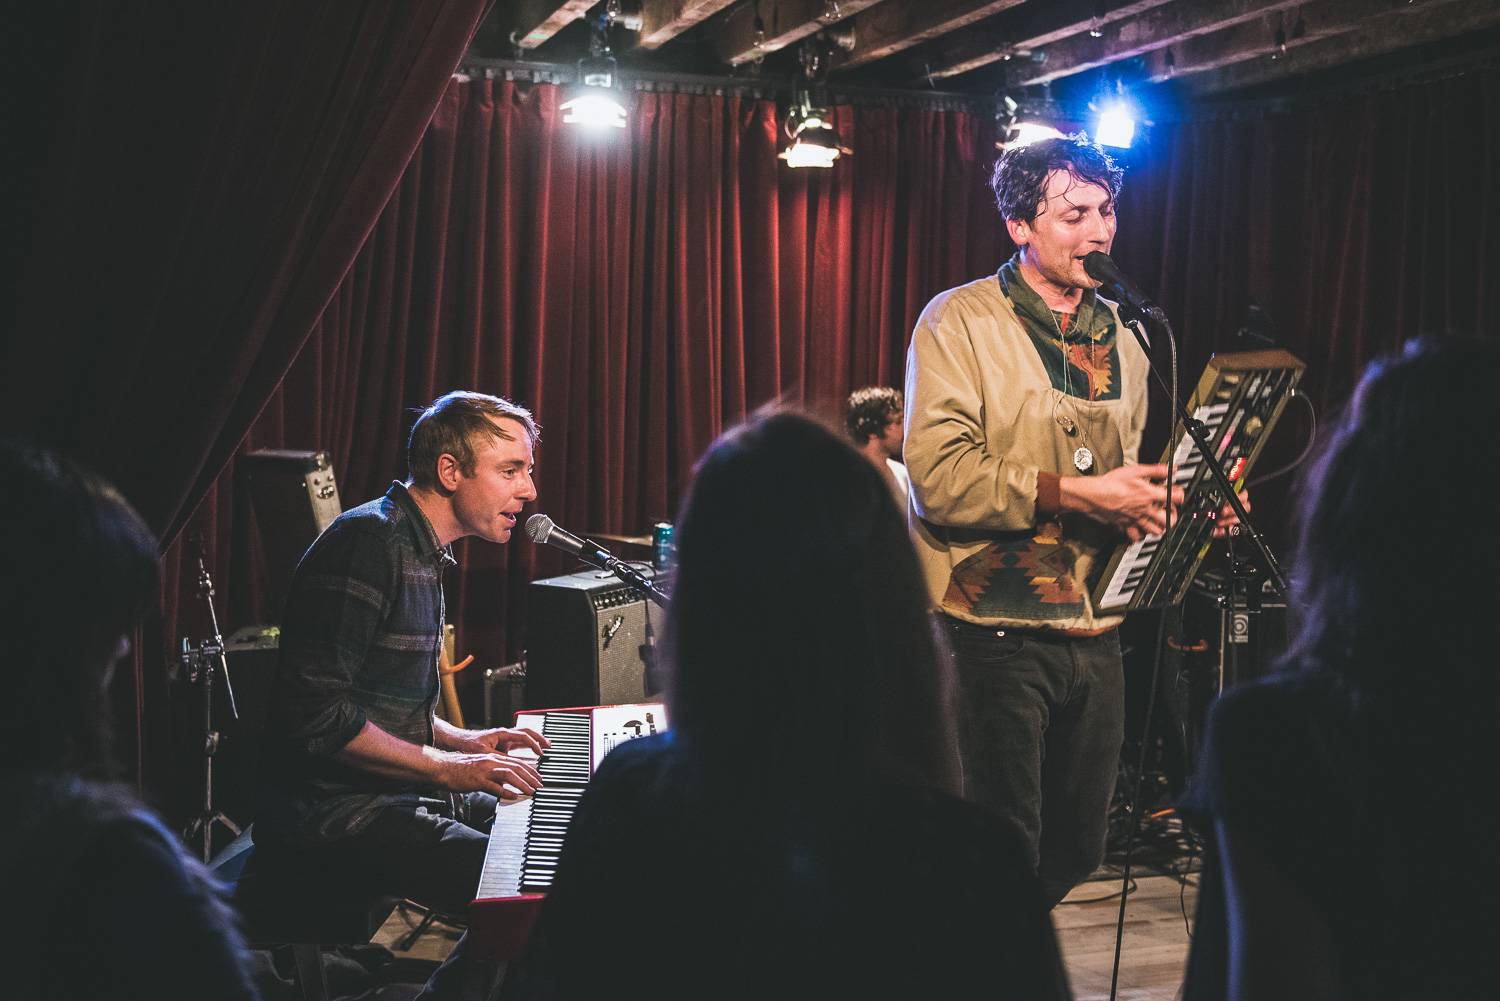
pixel 360 641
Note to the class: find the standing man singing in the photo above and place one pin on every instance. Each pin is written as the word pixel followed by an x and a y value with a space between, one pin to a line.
pixel 1026 398
pixel 362 774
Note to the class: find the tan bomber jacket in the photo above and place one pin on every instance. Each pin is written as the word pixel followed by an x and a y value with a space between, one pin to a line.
pixel 981 423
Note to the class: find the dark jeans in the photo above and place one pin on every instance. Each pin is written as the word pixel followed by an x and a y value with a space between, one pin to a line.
pixel 1041 721
pixel 425 855
pixel 434 858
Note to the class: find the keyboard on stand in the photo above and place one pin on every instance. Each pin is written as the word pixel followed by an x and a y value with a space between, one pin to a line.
pixel 1238 399
pixel 528 835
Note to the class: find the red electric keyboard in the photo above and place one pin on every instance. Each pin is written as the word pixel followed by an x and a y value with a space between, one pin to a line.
pixel 527 838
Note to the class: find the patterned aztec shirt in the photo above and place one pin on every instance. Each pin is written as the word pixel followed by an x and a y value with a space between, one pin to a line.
pixel 990 372
pixel 360 641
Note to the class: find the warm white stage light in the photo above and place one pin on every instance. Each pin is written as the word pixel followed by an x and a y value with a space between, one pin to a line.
pixel 596 109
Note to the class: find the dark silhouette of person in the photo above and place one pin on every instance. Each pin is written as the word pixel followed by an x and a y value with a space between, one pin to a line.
pixel 104 902
pixel 797 833
pixel 1342 799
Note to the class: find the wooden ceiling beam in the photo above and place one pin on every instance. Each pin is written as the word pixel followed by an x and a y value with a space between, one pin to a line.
pixel 1384 27
pixel 1032 26
pixel 535 21
pixel 896 25
pixel 786 21
pixel 1169 25
pixel 664 20
pixel 1257 39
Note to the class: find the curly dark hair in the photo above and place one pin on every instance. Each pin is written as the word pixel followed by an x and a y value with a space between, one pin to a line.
pixel 1020 177
pixel 869 410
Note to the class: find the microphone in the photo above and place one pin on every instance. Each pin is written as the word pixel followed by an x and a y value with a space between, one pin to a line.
pixel 543 529
pixel 1104 271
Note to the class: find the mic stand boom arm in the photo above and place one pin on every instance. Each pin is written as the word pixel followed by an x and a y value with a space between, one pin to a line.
pixel 638 580
pixel 626 573
pixel 1199 434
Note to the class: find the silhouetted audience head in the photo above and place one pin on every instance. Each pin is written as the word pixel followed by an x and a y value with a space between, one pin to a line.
pixel 81 572
pixel 1399 549
pixel 799 628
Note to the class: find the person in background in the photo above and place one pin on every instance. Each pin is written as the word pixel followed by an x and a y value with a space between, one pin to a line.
pixel 797 833
pixel 874 416
pixel 1348 833
pixel 104 902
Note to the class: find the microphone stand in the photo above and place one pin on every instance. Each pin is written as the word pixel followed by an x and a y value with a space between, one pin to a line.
pixel 628 574
pixel 200 663
pixel 1133 318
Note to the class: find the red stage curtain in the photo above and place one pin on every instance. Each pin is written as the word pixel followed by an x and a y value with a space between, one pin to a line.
pixel 639 292
pixel 643 292
pixel 213 171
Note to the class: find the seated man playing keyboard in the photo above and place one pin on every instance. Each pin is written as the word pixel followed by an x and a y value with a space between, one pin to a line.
pixel 360 771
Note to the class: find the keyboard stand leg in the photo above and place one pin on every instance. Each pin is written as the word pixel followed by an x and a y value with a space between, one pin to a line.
pixel 310 976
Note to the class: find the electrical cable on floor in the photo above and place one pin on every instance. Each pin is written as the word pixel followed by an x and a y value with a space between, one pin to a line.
pixel 1102 899
pixel 1182 885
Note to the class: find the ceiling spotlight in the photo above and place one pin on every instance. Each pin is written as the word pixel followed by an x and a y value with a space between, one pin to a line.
pixel 1116 124
pixel 1096 26
pixel 814 141
pixel 1026 133
pixel 1015 129
pixel 596 103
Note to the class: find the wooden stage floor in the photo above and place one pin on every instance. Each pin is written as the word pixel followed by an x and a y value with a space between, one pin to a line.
pixel 1151 962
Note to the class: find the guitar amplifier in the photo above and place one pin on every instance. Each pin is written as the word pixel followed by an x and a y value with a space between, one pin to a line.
pixel 294 497
pixel 590 641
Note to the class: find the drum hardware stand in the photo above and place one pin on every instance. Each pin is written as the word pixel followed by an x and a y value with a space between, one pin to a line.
pixel 199 663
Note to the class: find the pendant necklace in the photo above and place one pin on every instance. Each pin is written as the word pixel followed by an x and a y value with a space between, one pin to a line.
pixel 1083 456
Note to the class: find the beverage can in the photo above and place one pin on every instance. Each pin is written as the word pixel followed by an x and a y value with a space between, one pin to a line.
pixel 663 548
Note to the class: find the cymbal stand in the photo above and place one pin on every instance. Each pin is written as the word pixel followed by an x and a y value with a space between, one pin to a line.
pixel 199 663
